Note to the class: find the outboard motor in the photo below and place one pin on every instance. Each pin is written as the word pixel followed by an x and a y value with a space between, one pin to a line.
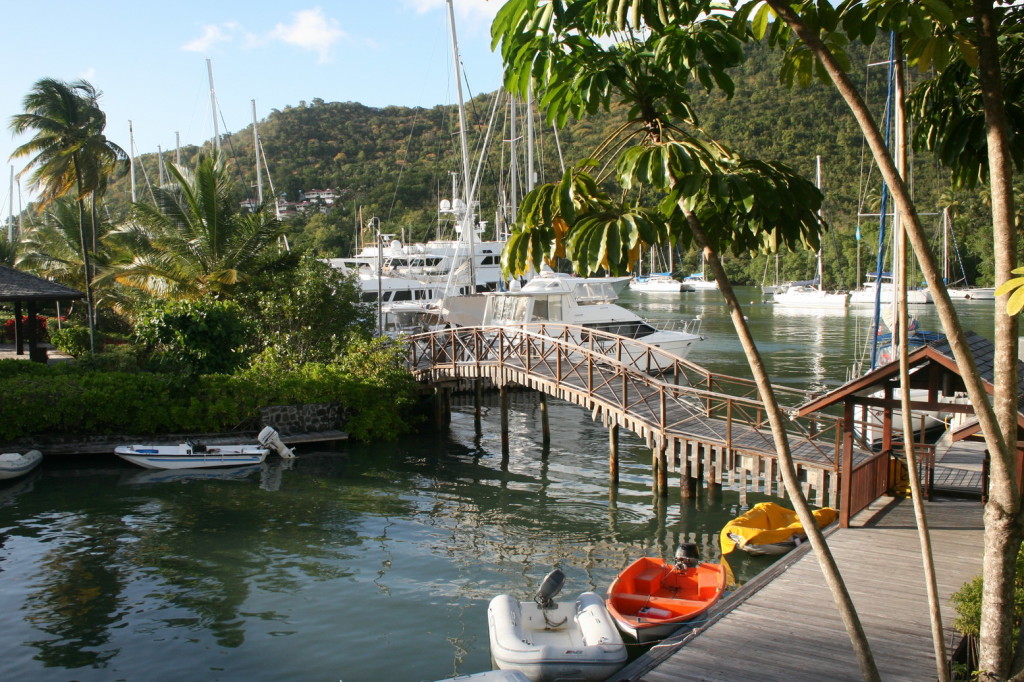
pixel 269 438
pixel 687 556
pixel 549 589
pixel 545 597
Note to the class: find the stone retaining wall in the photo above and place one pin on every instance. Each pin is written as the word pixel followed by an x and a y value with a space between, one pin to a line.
pixel 292 419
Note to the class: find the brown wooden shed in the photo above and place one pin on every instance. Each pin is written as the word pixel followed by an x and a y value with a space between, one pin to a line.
pixel 25 289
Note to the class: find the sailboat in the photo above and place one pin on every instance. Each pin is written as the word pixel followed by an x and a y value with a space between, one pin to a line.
pixel 962 292
pixel 810 294
pixel 698 280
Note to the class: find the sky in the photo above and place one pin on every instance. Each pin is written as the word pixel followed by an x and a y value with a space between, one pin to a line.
pixel 149 59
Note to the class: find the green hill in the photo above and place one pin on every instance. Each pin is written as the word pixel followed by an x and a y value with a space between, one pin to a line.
pixel 395 163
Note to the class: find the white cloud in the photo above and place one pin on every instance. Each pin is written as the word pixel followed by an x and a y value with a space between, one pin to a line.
pixel 212 34
pixel 310 30
pixel 476 12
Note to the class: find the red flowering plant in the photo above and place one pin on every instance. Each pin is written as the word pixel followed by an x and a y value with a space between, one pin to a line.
pixel 8 328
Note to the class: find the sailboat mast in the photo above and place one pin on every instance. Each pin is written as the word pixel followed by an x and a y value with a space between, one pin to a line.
pixel 256 149
pixel 467 219
pixel 213 106
pixel 817 183
pixel 131 158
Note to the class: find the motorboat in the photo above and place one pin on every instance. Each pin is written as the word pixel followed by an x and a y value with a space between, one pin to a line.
pixel 769 528
pixel 657 283
pixel 973 293
pixel 549 640
pixel 189 455
pixel 652 598
pixel 14 464
pixel 556 301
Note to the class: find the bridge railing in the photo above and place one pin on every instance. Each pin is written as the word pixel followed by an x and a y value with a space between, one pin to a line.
pixel 665 392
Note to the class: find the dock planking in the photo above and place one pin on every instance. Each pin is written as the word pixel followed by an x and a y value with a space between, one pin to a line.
pixel 787 628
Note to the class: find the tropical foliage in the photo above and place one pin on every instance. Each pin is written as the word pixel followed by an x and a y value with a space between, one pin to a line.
pixel 194 242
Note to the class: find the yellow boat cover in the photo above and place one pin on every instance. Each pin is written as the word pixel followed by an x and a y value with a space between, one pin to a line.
pixel 768 523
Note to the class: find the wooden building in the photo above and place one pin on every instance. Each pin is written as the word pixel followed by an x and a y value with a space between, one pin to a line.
pixel 28 292
pixel 936 385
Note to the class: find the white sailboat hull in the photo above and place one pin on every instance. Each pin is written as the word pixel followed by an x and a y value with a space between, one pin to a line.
pixel 809 297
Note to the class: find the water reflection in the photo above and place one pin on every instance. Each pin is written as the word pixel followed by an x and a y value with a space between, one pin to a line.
pixel 113 574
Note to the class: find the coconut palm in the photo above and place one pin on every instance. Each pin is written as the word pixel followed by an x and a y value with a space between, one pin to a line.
pixel 194 242
pixel 70 155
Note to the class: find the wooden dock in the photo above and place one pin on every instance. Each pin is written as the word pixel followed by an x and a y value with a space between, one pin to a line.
pixel 784 625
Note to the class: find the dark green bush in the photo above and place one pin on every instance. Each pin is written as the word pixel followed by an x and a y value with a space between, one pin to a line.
pixel 196 337
pixel 370 382
pixel 71 339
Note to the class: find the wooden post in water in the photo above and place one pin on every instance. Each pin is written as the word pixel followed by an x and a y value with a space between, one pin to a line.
pixel 661 468
pixel 545 427
pixel 687 483
pixel 503 399
pixel 613 455
pixel 478 399
pixel 442 407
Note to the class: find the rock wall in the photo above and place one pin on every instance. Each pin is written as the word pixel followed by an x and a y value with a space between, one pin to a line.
pixel 294 419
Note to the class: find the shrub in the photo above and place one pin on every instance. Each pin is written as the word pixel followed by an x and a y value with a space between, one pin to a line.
pixel 71 339
pixel 197 337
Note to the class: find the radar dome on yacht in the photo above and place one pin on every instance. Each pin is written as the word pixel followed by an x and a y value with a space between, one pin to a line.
pixel 445 205
pixel 514 285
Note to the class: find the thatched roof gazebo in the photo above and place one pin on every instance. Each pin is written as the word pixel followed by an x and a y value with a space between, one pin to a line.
pixel 22 288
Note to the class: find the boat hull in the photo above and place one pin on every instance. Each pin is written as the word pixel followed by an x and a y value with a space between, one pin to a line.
pixel 651 599
pixel 809 297
pixel 184 457
pixel 572 641
pixel 14 464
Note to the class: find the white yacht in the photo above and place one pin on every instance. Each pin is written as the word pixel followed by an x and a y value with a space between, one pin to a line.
pixel 583 305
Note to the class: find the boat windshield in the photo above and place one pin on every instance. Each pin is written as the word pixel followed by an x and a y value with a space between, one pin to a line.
pixel 629 329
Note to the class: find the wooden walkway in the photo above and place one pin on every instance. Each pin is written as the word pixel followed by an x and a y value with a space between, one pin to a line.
pixel 702 425
pixel 783 626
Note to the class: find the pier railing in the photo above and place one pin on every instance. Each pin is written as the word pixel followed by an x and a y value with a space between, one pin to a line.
pixel 659 396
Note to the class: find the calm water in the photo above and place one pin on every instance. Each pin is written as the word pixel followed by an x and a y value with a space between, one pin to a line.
pixel 372 562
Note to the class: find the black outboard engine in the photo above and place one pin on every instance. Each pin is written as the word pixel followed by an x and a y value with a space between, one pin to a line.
pixel 549 589
pixel 687 556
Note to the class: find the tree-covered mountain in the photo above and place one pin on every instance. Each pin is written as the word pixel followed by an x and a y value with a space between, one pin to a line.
pixel 396 164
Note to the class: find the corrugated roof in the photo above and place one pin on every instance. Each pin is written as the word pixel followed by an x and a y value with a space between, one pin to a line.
pixel 16 285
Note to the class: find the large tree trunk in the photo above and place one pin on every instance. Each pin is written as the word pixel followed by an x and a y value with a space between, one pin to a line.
pixel 927 558
pixel 86 261
pixel 1002 513
pixel 776 419
pixel 1002 535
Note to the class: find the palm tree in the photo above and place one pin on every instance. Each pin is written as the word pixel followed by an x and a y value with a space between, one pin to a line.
pixel 71 155
pixel 193 243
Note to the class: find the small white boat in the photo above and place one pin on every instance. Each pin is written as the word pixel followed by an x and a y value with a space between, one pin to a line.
pixel 546 640
pixel 14 464
pixel 657 283
pixel 197 456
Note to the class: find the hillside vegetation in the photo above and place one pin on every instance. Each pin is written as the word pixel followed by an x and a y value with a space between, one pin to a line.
pixel 396 164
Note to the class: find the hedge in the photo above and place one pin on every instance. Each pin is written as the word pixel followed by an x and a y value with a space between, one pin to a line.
pixel 64 399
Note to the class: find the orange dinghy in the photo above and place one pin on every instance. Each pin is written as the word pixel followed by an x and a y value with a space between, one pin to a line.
pixel 651 598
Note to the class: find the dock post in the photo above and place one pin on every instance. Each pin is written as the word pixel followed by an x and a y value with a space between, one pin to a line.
pixel 714 491
pixel 478 400
pixel 503 399
pixel 442 408
pixel 613 454
pixel 661 469
pixel 545 427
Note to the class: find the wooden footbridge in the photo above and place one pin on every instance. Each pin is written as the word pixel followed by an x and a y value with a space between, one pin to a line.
pixel 705 426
